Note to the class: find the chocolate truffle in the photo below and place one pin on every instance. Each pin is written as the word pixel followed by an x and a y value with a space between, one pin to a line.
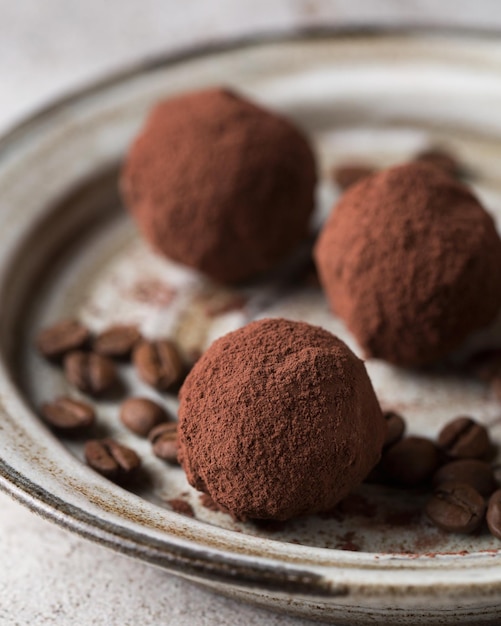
pixel 411 261
pixel 220 184
pixel 278 419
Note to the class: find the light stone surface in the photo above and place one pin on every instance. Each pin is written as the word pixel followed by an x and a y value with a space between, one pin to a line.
pixel 47 575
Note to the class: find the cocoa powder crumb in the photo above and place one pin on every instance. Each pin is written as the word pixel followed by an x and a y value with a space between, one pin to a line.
pixel 347 542
pixel 152 292
pixel 219 304
pixel 208 502
pixel 181 506
pixel 348 174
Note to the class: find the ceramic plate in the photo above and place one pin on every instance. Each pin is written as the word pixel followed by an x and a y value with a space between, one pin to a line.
pixel 67 248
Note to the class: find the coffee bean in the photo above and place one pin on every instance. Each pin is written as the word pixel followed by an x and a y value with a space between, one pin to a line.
pixel 89 372
pixel 66 414
pixel 347 174
pixel 456 508
pixel 477 474
pixel 55 341
pixel 99 457
pixel 112 459
pixel 164 442
pixel 494 514
pixel 117 342
pixel 395 428
pixel 441 159
pixel 141 415
pixel 410 462
pixel 463 438
pixel 158 364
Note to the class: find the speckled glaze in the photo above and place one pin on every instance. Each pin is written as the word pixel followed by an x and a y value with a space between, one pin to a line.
pixel 67 248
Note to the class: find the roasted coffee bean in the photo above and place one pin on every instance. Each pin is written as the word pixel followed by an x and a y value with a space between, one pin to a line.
pixel 66 414
pixel 456 508
pixel 348 174
pixel 158 364
pixel 494 514
pixel 477 474
pixel 463 438
pixel 89 372
pixel 55 341
pixel 117 342
pixel 441 159
pixel 410 462
pixel 164 442
pixel 99 457
pixel 112 459
pixel 141 415
pixel 395 428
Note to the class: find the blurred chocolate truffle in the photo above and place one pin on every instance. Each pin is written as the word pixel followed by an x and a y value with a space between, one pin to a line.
pixel 220 184
pixel 278 419
pixel 411 261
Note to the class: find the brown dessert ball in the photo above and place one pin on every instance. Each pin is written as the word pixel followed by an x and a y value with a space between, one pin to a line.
pixel 411 261
pixel 220 184
pixel 278 419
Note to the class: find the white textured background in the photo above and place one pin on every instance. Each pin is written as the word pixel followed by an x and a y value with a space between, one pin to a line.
pixel 48 576
pixel 47 46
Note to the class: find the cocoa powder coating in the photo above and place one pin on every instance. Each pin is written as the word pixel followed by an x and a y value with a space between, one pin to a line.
pixel 411 261
pixel 278 419
pixel 220 184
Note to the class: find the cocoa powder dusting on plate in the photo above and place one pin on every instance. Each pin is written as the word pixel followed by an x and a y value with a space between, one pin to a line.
pixel 181 506
pixel 153 292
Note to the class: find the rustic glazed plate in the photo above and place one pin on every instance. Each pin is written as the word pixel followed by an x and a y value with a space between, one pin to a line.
pixel 67 248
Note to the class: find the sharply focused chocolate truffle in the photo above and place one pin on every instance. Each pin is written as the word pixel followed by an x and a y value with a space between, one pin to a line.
pixel 411 261
pixel 278 419
pixel 220 184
